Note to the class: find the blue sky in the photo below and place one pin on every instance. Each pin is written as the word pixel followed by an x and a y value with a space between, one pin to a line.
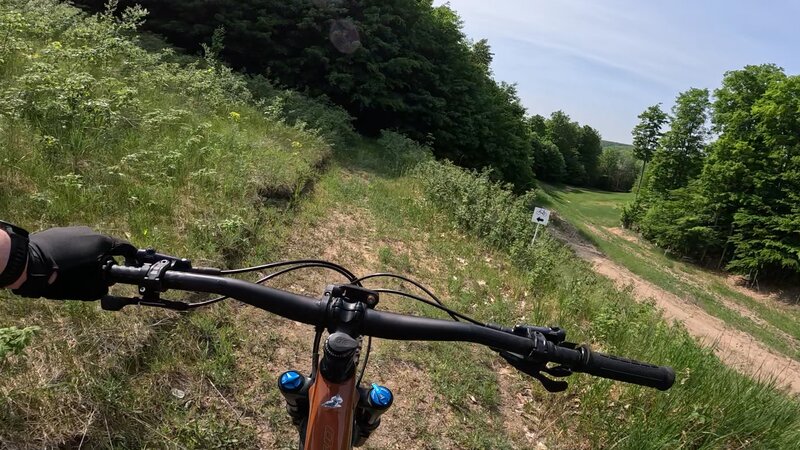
pixel 604 61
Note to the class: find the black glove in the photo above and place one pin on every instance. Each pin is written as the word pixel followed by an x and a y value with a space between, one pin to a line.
pixel 77 255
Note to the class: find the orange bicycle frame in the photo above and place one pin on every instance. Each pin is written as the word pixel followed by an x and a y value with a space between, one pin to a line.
pixel 331 414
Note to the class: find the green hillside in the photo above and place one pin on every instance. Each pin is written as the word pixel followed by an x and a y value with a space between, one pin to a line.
pixel 615 144
pixel 202 162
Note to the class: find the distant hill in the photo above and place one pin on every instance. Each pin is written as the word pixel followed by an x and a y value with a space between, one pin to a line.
pixel 614 144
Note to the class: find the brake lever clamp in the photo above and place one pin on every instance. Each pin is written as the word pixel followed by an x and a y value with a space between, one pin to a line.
pixel 150 286
pixel 555 335
pixel 150 256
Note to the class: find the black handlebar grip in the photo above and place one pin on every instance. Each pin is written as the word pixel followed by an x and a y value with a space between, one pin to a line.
pixel 627 370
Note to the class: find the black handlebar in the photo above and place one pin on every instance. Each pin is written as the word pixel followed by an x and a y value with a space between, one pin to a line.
pixel 299 308
pixel 388 325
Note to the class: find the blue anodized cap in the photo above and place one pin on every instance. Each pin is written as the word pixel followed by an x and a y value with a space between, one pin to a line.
pixel 291 380
pixel 380 396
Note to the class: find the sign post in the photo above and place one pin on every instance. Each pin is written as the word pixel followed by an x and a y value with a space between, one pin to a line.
pixel 540 216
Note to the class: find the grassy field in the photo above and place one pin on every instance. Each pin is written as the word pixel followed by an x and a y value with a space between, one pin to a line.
pixel 96 131
pixel 596 214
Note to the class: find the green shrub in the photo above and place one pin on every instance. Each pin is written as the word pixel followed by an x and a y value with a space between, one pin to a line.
pixel 331 121
pixel 402 153
pixel 489 210
pixel 95 130
pixel 13 340
pixel 631 214
pixel 710 405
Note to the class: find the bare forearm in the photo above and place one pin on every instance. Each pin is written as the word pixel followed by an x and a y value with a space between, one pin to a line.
pixel 5 252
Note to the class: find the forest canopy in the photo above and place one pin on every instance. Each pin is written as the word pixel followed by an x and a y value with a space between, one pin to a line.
pixel 732 202
pixel 403 65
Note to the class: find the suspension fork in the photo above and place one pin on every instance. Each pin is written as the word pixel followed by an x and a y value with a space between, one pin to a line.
pixel 300 392
pixel 329 408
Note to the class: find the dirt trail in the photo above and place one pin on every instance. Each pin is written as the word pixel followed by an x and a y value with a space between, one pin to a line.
pixel 735 348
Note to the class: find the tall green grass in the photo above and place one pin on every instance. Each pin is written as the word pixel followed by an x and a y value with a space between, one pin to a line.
pixel 96 130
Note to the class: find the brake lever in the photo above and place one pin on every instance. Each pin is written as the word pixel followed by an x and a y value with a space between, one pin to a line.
pixel 151 256
pixel 535 369
pixel 112 303
pixel 151 286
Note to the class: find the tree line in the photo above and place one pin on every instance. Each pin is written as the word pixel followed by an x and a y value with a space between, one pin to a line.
pixel 403 65
pixel 564 151
pixel 722 177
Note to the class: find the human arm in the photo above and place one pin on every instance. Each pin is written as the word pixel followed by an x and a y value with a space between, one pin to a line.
pixel 5 253
pixel 58 263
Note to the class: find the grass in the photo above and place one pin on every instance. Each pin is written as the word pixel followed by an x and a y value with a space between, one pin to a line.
pixel 591 211
pixel 95 130
pixel 152 151
pixel 711 406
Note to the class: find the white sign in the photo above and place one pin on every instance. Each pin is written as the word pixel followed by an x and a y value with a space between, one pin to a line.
pixel 541 216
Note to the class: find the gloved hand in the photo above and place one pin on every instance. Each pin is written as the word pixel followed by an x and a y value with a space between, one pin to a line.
pixel 76 255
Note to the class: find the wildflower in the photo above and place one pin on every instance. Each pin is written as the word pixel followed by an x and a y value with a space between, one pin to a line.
pixel 235 116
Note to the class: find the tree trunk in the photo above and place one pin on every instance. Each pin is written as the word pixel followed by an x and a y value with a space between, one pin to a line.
pixel 722 258
pixel 725 249
pixel 641 177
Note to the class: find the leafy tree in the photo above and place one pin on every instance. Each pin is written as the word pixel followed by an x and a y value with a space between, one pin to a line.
pixel 677 223
pixel 392 64
pixel 616 170
pixel 647 134
pixel 566 135
pixel 766 238
pixel 743 210
pixel 482 55
pixel 548 164
pixel 589 148
pixel 738 150
pixel 681 151
pixel 538 125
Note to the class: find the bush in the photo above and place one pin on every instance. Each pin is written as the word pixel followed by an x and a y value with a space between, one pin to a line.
pixel 548 162
pixel 13 340
pixel 95 130
pixel 331 121
pixel 491 211
pixel 678 223
pixel 631 214
pixel 402 153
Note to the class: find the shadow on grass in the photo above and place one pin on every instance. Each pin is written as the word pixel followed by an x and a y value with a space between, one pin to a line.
pixel 553 190
pixel 367 155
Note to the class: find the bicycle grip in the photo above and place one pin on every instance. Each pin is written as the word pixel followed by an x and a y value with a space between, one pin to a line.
pixel 628 370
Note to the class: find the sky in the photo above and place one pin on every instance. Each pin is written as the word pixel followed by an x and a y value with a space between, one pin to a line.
pixel 604 61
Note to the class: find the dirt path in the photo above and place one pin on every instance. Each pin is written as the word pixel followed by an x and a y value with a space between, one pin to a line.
pixel 735 348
